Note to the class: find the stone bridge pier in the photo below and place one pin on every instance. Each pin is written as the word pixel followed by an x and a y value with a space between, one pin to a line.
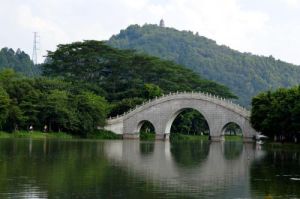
pixel 161 112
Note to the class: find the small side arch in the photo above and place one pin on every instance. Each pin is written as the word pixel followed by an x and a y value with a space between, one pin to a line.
pixel 232 129
pixel 146 126
pixel 146 130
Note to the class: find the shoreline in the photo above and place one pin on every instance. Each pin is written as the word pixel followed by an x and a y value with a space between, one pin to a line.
pixel 36 135
pixel 106 135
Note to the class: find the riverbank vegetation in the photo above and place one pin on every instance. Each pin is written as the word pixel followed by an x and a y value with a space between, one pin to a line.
pixel 147 136
pixel 35 135
pixel 178 137
pixel 233 137
pixel 48 104
pixel 104 135
pixel 277 114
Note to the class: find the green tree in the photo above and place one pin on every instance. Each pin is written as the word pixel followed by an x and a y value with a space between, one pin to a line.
pixel 152 91
pixel 277 112
pixel 4 105
pixel 91 112
pixel 232 128
pixel 261 109
pixel 118 108
pixel 17 60
pixel 16 119
pixel 190 122
pixel 57 112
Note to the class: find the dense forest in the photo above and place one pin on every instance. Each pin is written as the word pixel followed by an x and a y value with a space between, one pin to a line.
pixel 37 102
pixel 17 60
pixel 123 77
pixel 277 114
pixel 245 74
pixel 84 82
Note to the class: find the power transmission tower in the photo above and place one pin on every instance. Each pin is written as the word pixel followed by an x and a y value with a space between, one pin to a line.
pixel 35 48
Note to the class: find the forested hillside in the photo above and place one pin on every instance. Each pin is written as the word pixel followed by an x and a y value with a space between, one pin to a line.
pixel 19 61
pixel 245 74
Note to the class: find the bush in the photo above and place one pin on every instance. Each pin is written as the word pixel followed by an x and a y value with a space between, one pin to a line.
pixel 178 137
pixel 104 134
pixel 147 136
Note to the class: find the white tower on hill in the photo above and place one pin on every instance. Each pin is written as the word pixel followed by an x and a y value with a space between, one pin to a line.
pixel 162 23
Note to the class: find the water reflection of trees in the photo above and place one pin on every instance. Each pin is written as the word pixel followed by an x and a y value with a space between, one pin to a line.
pixel 146 148
pixel 274 174
pixel 71 169
pixel 54 168
pixel 190 154
pixel 232 150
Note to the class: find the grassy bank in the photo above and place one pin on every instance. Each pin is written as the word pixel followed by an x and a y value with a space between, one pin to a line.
pixel 99 134
pixel 233 138
pixel 35 135
pixel 177 137
pixel 104 135
pixel 4 134
pixel 181 137
pixel 147 136
pixel 279 146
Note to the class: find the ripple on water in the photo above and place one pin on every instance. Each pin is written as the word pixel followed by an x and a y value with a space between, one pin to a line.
pixel 295 179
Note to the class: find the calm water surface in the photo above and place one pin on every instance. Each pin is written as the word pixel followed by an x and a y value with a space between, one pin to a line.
pixel 134 169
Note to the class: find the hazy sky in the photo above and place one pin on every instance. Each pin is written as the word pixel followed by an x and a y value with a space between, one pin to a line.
pixel 264 27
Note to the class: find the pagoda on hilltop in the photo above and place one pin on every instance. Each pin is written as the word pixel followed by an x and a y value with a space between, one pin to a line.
pixel 162 23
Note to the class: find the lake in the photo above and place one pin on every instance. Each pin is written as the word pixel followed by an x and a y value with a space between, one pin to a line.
pixel 135 169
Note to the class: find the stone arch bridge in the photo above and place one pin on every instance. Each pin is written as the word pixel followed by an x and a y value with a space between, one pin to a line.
pixel 162 111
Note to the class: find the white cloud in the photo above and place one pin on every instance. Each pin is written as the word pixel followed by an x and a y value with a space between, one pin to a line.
pixel 26 19
pixel 249 28
pixel 223 21
pixel 292 3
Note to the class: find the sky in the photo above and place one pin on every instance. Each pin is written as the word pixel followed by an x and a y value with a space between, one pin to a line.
pixel 262 27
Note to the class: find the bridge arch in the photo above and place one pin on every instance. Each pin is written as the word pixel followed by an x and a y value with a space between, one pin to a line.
pixel 174 116
pixel 147 124
pixel 229 125
pixel 162 111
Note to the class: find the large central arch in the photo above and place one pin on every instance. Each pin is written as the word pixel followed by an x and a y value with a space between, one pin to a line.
pixel 161 112
pixel 175 115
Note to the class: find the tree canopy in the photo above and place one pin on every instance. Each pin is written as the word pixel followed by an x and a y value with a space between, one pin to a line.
pixel 123 77
pixel 4 103
pixel 277 112
pixel 41 101
pixel 123 73
pixel 17 60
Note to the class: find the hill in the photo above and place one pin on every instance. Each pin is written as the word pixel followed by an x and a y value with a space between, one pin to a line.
pixel 245 74
pixel 17 60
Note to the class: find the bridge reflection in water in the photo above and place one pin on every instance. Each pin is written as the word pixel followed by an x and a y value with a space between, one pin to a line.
pixel 208 167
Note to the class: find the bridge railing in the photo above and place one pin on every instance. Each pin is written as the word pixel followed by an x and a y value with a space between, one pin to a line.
pixel 222 101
